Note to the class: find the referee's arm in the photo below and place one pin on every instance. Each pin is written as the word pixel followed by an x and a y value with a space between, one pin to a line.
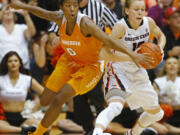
pixel 107 18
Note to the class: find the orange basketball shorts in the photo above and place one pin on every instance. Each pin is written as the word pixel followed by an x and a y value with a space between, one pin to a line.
pixel 82 79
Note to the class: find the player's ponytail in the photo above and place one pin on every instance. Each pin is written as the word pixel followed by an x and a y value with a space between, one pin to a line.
pixel 126 5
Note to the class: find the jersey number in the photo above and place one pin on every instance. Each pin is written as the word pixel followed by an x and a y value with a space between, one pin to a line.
pixel 71 51
pixel 136 45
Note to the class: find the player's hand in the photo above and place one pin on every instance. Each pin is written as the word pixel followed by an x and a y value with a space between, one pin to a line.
pixel 141 58
pixel 16 4
pixel 162 52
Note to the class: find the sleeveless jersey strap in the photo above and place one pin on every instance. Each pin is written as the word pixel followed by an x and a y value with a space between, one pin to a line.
pixel 63 20
pixel 79 17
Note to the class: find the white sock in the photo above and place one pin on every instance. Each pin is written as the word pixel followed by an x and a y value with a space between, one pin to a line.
pixel 137 130
pixel 97 131
pixel 107 115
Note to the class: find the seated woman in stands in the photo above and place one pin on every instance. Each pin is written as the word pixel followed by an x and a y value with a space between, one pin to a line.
pixel 14 88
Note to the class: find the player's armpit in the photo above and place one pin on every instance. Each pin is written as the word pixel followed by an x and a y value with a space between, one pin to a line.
pixel 118 31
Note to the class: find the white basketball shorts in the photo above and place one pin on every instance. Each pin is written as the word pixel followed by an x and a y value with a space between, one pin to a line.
pixel 134 81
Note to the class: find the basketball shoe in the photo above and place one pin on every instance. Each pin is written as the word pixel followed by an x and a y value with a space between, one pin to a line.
pixel 106 134
pixel 129 132
pixel 26 130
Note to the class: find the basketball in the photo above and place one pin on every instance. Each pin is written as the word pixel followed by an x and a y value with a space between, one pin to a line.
pixel 153 51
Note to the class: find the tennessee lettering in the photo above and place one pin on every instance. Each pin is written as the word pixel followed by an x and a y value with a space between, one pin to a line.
pixel 75 43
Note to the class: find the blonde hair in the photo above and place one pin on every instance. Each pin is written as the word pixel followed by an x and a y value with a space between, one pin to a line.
pixel 163 71
pixel 128 4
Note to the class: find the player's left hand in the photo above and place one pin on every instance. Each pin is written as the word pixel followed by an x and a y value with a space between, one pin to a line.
pixel 162 52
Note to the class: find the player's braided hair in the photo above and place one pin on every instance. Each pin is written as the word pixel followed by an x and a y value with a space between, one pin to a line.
pixel 60 2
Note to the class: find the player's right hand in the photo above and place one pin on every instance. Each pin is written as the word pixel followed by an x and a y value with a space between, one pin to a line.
pixel 142 58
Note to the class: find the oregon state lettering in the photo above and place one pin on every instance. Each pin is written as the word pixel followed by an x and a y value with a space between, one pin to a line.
pixel 137 37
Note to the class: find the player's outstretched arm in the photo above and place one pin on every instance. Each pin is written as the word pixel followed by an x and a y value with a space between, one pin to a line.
pixel 156 31
pixel 54 16
pixel 89 28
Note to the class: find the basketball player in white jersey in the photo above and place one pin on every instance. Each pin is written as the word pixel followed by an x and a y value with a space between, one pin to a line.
pixel 124 81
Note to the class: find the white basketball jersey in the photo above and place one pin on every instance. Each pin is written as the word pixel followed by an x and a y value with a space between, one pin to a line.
pixel 133 38
pixel 126 76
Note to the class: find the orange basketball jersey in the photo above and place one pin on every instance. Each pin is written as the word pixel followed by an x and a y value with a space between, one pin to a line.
pixel 83 50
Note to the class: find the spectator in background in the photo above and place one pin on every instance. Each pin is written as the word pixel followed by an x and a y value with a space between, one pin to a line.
pixel 156 12
pixel 168 88
pixel 176 3
pixel 42 49
pixel 150 3
pixel 14 86
pixel 40 24
pixel 2 116
pixel 15 37
pixel 172 32
pixel 115 6
pixel 49 4
pixel 2 3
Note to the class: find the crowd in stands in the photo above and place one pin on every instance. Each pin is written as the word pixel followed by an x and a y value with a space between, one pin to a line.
pixel 29 49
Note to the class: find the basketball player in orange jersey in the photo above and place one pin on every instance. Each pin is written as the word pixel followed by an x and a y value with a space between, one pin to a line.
pixel 79 69
pixel 124 81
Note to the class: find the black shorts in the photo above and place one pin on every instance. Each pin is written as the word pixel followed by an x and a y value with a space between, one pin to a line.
pixel 127 118
pixel 174 119
pixel 14 118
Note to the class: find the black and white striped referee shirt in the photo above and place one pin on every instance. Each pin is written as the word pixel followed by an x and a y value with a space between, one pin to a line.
pixel 97 11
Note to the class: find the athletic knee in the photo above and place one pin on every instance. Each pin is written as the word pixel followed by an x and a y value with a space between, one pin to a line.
pixel 44 102
pixel 147 118
pixel 47 97
pixel 58 101
pixel 44 105
pixel 158 115
pixel 107 115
